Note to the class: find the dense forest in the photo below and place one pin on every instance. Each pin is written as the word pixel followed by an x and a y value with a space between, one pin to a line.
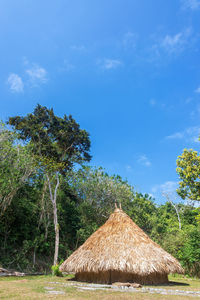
pixel 51 200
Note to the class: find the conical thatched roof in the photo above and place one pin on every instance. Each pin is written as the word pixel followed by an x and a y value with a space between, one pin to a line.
pixel 120 245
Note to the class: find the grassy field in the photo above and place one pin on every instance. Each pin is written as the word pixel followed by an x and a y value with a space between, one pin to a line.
pixel 38 287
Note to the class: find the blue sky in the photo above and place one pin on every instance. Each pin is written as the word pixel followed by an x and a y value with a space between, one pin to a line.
pixel 128 71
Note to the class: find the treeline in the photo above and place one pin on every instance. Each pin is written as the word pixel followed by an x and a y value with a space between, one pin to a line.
pixel 44 194
pixel 27 231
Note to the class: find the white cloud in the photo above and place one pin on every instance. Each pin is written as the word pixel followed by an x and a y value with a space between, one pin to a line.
pixel 109 64
pixel 159 105
pixel 167 187
pixel 176 135
pixel 129 40
pixel 15 82
pixel 143 160
pixel 80 48
pixel 172 44
pixel 195 113
pixel 154 189
pixel 166 191
pixel 176 43
pixel 190 134
pixel 197 90
pixel 37 74
pixel 191 4
pixel 129 168
pixel 67 66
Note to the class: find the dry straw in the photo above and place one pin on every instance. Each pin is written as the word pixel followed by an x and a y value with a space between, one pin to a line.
pixel 121 251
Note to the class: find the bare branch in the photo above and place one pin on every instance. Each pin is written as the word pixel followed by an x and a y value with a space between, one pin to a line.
pixel 165 194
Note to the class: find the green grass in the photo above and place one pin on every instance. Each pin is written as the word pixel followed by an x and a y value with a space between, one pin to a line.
pixel 33 287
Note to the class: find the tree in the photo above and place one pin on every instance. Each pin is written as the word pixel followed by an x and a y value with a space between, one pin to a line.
pixel 142 210
pixel 16 166
pixel 169 196
pixel 98 192
pixel 188 169
pixel 57 144
pixel 101 191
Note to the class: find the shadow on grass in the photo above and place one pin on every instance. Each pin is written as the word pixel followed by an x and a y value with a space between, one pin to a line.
pixel 173 283
pixel 71 278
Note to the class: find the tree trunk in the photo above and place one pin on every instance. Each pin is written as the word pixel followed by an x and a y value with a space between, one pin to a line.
pixel 55 216
pixel 176 209
pixel 34 256
pixel 56 245
pixel 177 212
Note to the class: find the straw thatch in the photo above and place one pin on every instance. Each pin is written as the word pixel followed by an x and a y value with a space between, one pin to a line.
pixel 121 251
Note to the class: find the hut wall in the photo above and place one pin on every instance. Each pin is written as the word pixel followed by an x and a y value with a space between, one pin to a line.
pixel 101 277
pixel 109 277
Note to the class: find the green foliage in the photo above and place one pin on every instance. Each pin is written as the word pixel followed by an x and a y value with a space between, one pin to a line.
pixel 23 232
pixel 55 270
pixel 189 254
pixel 99 192
pixel 183 244
pixel 85 199
pixel 16 166
pixel 18 229
pixel 142 210
pixel 57 142
pixel 188 168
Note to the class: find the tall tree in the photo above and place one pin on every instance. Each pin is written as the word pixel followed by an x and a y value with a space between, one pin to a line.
pixel 57 143
pixel 188 169
pixel 16 166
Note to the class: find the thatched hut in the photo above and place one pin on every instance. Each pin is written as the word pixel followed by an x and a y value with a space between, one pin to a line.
pixel 120 251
